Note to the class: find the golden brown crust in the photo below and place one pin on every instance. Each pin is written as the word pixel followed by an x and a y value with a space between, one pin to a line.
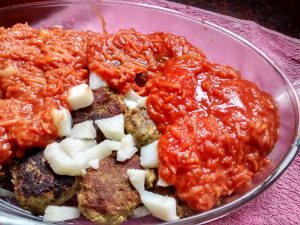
pixel 106 195
pixel 36 186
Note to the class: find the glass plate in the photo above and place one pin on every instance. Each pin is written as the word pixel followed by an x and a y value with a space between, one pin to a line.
pixel 220 46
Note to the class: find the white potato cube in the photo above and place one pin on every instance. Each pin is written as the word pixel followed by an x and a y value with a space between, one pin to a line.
pixel 60 213
pixel 84 130
pixel 95 81
pixel 162 207
pixel 113 127
pixel 72 146
pixel 80 96
pixel 62 121
pixel 137 179
pixel 149 155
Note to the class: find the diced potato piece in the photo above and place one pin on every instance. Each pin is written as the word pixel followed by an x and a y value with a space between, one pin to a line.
pixel 80 96
pixel 72 146
pixel 113 127
pixel 160 206
pixel 62 121
pixel 61 213
pixel 149 155
pixel 84 130
pixel 95 81
pixel 137 179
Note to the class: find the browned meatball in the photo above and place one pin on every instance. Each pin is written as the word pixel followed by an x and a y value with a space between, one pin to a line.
pixel 36 186
pixel 142 128
pixel 107 196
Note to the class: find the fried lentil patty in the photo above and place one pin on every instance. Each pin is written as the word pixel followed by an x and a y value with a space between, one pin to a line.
pixel 106 195
pixel 36 186
pixel 142 128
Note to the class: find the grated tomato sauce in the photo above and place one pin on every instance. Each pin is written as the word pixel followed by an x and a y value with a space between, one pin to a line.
pixel 38 67
pixel 217 128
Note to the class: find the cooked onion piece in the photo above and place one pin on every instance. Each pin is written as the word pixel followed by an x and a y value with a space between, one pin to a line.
pixel 73 162
pixel 133 100
pixel 61 213
pixel 127 149
pixel 84 130
pixel 137 179
pixel 160 206
pixel 62 121
pixel 113 127
pixel 149 156
pixel 94 163
pixel 72 146
pixel 102 150
pixel 95 81
pixel 130 104
pixel 61 162
pixel 80 96
pixel 140 212
pixel 142 102
pixel 162 183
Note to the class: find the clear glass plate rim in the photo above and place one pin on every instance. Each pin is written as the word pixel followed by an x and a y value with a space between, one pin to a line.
pixel 236 204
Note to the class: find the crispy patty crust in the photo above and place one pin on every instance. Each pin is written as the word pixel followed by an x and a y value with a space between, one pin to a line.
pixel 36 186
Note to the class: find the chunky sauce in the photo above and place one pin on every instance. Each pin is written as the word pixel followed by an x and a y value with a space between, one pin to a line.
pixel 217 128
pixel 38 68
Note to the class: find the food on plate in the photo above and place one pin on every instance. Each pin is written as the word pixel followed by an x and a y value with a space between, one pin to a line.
pixel 36 186
pixel 105 104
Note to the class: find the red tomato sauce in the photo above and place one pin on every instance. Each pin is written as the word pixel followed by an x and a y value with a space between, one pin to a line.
pixel 43 65
pixel 217 128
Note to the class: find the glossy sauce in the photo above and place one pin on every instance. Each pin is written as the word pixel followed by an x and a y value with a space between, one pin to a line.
pixel 217 127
